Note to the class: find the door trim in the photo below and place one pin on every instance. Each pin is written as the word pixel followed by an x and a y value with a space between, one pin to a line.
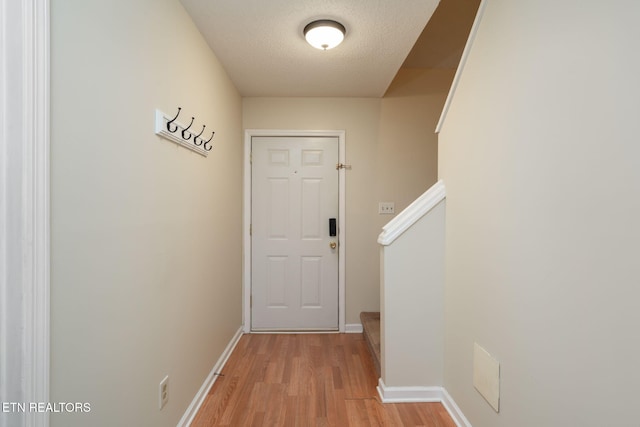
pixel 24 206
pixel 246 220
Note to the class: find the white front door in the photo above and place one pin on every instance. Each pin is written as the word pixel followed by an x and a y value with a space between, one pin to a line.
pixel 294 271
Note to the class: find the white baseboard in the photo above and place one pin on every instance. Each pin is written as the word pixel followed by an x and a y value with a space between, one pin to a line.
pixel 454 410
pixel 353 328
pixel 193 408
pixel 423 394
pixel 408 394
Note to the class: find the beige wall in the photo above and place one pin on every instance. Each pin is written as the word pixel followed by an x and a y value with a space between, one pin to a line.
pixel 412 295
pixel 539 154
pixel 146 235
pixel 391 145
pixel 409 146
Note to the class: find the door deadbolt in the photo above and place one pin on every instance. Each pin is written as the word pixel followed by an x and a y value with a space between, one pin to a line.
pixel 332 245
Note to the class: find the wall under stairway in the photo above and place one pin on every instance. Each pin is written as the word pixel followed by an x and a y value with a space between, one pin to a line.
pixel 412 294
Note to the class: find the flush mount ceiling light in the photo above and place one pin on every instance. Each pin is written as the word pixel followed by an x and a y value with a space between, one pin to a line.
pixel 324 34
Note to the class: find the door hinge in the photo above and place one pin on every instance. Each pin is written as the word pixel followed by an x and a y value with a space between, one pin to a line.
pixel 250 229
pixel 342 166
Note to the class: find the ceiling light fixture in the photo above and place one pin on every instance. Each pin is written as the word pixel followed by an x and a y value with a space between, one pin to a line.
pixel 324 34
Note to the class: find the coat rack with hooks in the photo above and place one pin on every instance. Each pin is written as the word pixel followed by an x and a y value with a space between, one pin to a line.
pixel 175 131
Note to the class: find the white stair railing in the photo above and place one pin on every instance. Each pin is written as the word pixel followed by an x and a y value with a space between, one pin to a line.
pixel 412 213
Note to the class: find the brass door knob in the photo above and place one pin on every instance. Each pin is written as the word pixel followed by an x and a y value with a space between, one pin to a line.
pixel 332 245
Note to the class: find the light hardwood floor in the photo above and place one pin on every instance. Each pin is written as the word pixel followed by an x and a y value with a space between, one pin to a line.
pixel 306 380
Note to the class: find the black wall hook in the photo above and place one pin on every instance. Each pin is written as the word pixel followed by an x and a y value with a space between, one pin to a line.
pixel 173 120
pixel 195 137
pixel 207 142
pixel 184 131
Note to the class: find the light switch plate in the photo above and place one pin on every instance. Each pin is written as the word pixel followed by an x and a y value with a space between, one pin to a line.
pixel 386 208
pixel 486 376
pixel 163 392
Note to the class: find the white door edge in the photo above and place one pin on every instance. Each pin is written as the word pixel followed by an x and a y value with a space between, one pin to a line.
pixel 25 254
pixel 246 220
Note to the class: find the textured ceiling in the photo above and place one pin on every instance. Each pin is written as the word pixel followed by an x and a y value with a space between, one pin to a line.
pixel 261 45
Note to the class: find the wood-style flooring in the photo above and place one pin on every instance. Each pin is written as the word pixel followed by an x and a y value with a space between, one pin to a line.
pixel 306 380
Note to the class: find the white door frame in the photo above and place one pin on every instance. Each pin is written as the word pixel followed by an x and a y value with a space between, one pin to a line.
pixel 24 206
pixel 246 223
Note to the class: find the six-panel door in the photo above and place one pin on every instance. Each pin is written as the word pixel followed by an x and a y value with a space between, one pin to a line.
pixel 294 275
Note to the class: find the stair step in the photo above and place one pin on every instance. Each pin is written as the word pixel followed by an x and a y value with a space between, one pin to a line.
pixel 371 330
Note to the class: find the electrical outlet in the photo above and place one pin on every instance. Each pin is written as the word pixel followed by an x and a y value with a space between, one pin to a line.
pixel 164 391
pixel 386 208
